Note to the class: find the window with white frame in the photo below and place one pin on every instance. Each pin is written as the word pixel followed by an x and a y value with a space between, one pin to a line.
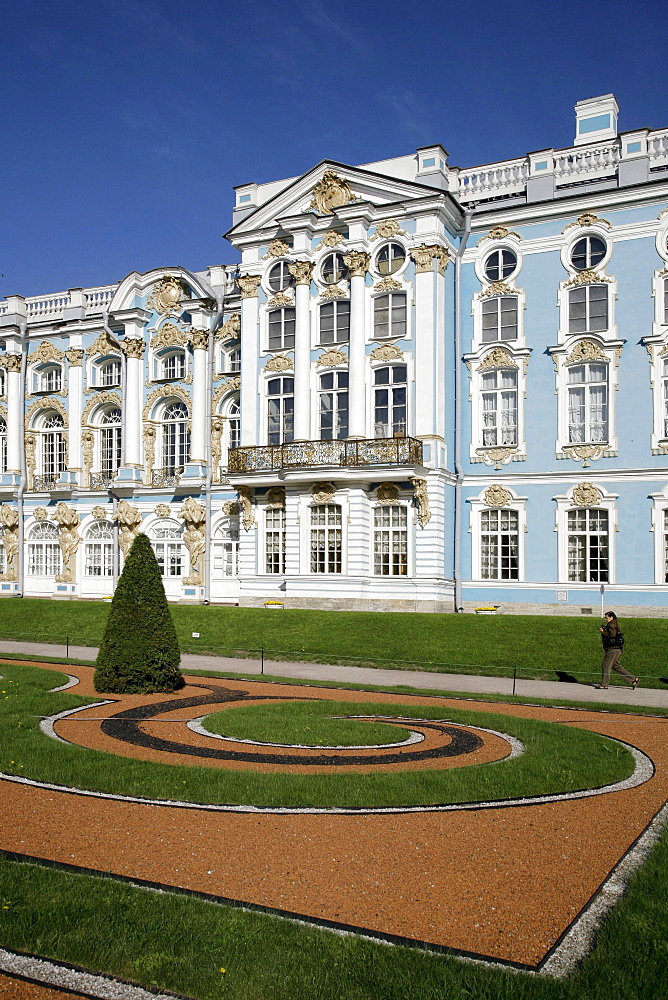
pixel 226 548
pixel 280 410
pixel 390 540
pixel 3 445
pixel 49 379
pixel 588 545
pixel 3 383
pixel 232 361
pixel 108 372
pixel 172 365
pixel 389 315
pixel 166 538
pixel 44 558
pixel 588 403
pixel 588 309
pixel 53 451
pixel 498 388
pixel 274 540
pixel 333 269
pixel 99 549
pixel 389 412
pixel 390 259
pixel 233 423
pixel 279 277
pixel 175 437
pixel 499 318
pixel 499 544
pixel 333 405
pixel 335 322
pixel 500 264
pixel 110 441
pixel 281 329
pixel 326 538
pixel 664 396
pixel 664 302
pixel 587 253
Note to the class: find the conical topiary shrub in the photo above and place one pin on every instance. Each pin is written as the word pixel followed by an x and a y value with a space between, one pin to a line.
pixel 139 651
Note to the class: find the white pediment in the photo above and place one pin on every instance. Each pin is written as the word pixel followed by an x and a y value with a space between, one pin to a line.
pixel 312 194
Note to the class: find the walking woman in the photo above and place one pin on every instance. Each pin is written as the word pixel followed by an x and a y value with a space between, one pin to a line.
pixel 613 643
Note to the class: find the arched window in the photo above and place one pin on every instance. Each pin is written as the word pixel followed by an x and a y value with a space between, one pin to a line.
pixel 43 550
pixel 167 541
pixel 175 438
pixel 53 450
pixel 172 365
pixel 390 401
pixel 3 444
pixel 99 549
pixel 326 538
pixel 225 547
pixel 49 378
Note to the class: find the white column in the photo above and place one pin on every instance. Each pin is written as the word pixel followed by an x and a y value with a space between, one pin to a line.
pixel 301 271
pixel 249 358
pixel 357 262
pixel 200 342
pixel 426 347
pixel 12 363
pixel 75 395
pixel 134 391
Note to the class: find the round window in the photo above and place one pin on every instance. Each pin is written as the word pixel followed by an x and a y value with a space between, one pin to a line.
pixel 390 258
pixel 333 268
pixel 279 276
pixel 500 264
pixel 588 252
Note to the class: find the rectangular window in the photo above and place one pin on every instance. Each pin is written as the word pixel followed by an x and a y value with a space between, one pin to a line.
pixel 335 322
pixel 281 329
pixel 390 541
pixel 389 315
pixel 499 318
pixel 110 448
pixel 588 309
pixel 51 380
pixel 665 301
pixel 225 558
pixel 499 407
pixel 588 545
pixel 110 374
pixel 275 540
pixel 280 410
pixel 43 559
pixel 99 559
pixel 588 403
pixel 174 366
pixel 54 454
pixel 390 402
pixel 333 406
pixel 169 556
pixel 499 545
pixel 326 545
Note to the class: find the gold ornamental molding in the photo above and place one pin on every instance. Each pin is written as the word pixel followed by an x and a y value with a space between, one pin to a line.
pixel 585 350
pixel 387 494
pixel 99 513
pixel 332 292
pixel 331 240
pixel 280 299
pixel 167 296
pixel 587 277
pixel 496 456
pixel 422 498
pixel 278 364
pixel 497 496
pixel 133 347
pixel 231 508
pixel 75 356
pixel 584 453
pixel 45 352
pixel 357 263
pixel 301 271
pixel 497 288
pixel 322 493
pixel 169 335
pixel 11 362
pixel 329 193
pixel 88 444
pixel 387 230
pixel 276 498
pixel 217 425
pixel 386 352
pixel 163 510
pixel 231 385
pixel 585 495
pixel 277 248
pixel 199 340
pixel 103 345
pixel 587 219
pixel 425 255
pixel 497 358
pixel 249 285
pixel 499 233
pixel 231 328
pixel 331 358
pixel 102 398
pixel 45 403
pixel 245 495
pixel 388 285
pixel 165 392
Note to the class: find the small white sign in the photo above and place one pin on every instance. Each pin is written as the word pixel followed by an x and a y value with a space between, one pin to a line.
pixel 562 595
pixel 195 635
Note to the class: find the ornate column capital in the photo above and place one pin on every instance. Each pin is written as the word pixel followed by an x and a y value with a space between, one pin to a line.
pixel 11 362
pixel 424 256
pixel 199 339
pixel 249 285
pixel 75 356
pixel 133 348
pixel 357 263
pixel 301 271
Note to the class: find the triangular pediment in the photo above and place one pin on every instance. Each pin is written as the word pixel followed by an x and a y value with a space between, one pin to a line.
pixel 323 190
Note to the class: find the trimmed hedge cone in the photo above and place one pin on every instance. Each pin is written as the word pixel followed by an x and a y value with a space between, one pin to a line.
pixel 139 653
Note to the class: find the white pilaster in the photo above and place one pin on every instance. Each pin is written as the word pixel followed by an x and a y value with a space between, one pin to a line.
pixel 12 364
pixel 75 396
pixel 301 270
pixel 428 283
pixel 357 262
pixel 197 464
pixel 250 350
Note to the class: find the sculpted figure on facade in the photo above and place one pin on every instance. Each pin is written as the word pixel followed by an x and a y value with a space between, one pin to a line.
pixel 40 513
pixel 75 356
pixel 277 248
pixel 129 520
pixel 68 540
pixel 246 502
pixel 99 513
pixel 422 497
pixel 149 452
pixel 230 508
pixel 329 193
pixel 88 444
pixel 323 492
pixel 9 520
pixel 162 510
pixel 31 459
pixel 194 514
pixel 231 328
pixel 276 497
pixel 216 447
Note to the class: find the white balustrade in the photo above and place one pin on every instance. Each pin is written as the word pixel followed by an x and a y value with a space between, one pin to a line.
pixel 586 163
pixel 657 149
pixel 47 305
pixel 98 299
pixel 493 181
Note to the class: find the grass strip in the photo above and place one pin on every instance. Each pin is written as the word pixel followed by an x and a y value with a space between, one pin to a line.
pixel 206 950
pixel 557 759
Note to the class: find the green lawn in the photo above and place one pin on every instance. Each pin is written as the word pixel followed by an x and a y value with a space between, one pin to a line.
pixel 536 646
pixel 557 758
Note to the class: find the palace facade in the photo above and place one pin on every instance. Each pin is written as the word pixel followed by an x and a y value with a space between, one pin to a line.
pixel 423 388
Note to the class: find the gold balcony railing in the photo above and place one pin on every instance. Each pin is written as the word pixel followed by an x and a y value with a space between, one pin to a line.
pixel 311 454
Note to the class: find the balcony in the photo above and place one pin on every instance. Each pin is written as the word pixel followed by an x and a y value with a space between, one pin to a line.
pixel 313 454
pixel 43 484
pixel 167 477
pixel 102 480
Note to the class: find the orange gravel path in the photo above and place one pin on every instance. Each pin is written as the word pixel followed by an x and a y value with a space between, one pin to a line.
pixel 503 883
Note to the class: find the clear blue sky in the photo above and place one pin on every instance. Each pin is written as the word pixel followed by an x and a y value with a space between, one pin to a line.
pixel 126 122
